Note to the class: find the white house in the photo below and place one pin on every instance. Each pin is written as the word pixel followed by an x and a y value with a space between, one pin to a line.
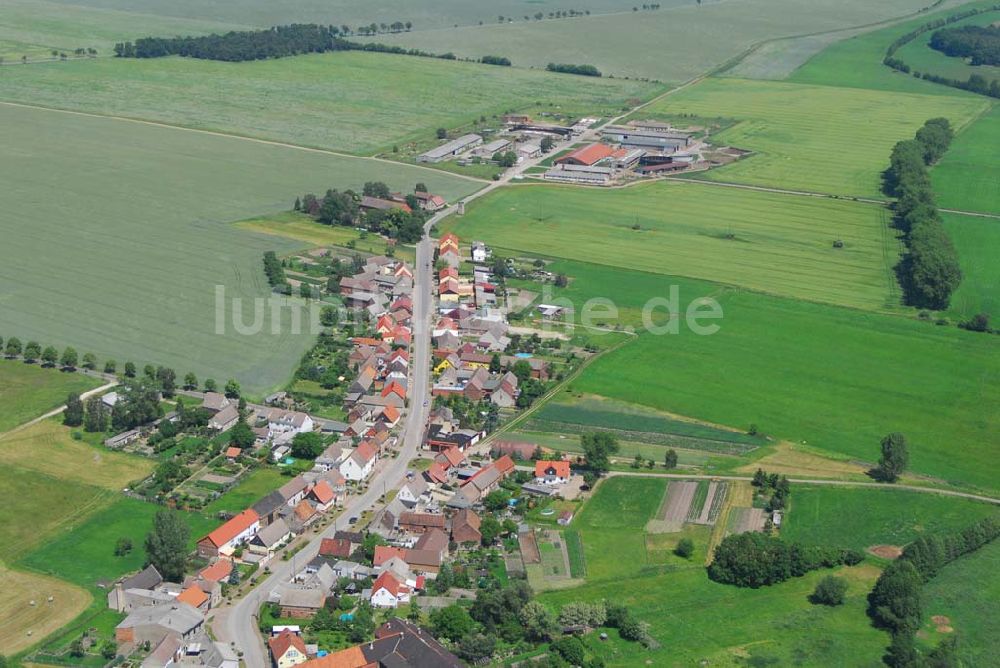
pixel 280 421
pixel 412 491
pixel 224 419
pixel 361 462
pixel 388 592
pixel 479 252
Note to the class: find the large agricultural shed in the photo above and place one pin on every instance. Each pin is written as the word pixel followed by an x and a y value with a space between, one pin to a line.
pixel 450 149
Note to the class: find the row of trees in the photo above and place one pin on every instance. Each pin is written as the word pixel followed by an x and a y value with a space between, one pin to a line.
pixel 895 602
pixel 777 487
pixel 979 43
pixel 275 273
pixel 755 560
pixel 49 356
pixel 568 68
pixel 929 271
pixel 975 83
pixel 495 60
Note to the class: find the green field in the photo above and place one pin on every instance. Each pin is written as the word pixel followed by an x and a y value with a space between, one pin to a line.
pixel 857 62
pixel 813 138
pixel 838 379
pixel 249 491
pixel 768 242
pixel 859 518
pixel 130 237
pixel 371 102
pixel 85 556
pixel 694 619
pixel 977 241
pixel 28 390
pixel 966 591
pixel 968 176
pixel 922 58
pixel 672 44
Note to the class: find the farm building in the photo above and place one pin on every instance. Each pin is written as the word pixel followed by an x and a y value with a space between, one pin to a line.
pixel 629 138
pixel 529 150
pixel 375 203
pixel 628 158
pixel 587 156
pixel 495 146
pixel 451 149
pixel 580 174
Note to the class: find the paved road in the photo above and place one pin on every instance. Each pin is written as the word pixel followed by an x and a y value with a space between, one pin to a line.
pixel 239 623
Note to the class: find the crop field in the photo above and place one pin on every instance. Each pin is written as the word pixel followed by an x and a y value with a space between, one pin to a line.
pixel 701 36
pixel 837 379
pixel 968 176
pixel 977 241
pixel 25 606
pixel 300 227
pixel 377 100
pixel 810 137
pixel 47 447
pixel 966 592
pixel 921 57
pixel 134 276
pixel 85 556
pixel 860 518
pixel 857 62
pixel 694 619
pixel 769 242
pixel 28 390
pixel 250 489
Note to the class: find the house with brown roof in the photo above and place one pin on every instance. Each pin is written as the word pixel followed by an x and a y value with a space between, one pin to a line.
pixel 287 649
pixel 398 643
pixel 465 527
pixel 335 548
pixel 421 522
pixel 224 540
pixel 552 472
pixel 194 597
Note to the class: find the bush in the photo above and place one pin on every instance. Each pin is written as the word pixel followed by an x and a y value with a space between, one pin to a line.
pixel 831 590
pixel 571 649
pixel 685 548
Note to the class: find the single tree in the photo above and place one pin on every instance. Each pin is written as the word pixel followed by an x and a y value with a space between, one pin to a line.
pixel 50 356
pixel 210 385
pixel 96 418
pixel 89 361
pixel 895 457
pixel 123 546
pixel 670 459
pixel 242 436
pixel 149 372
pixel 232 389
pixel 452 622
pixel 538 622
pixel 598 447
pixel 190 381
pixel 685 548
pixel 130 369
pixel 73 415
pixel 442 133
pixel 14 347
pixel 69 358
pixel 166 545
pixel 110 366
pixel 831 590
pixel 307 445
pixel 32 351
pixel 490 528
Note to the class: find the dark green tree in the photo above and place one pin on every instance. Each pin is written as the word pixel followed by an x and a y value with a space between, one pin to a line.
pixel 598 446
pixel 14 347
pixel 166 545
pixel 89 361
pixel 685 548
pixel 490 528
pixel 452 622
pixel 307 445
pixel 73 415
pixel 670 459
pixel 895 457
pixel 190 381
pixel 129 369
pixel 242 436
pixel 232 389
pixel 69 358
pixel 831 590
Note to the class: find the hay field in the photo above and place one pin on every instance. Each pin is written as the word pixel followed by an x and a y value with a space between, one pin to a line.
pixel 968 176
pixel 813 138
pixel 17 590
pixel 977 241
pixel 763 241
pixel 28 390
pixel 350 101
pixel 130 237
pixel 672 44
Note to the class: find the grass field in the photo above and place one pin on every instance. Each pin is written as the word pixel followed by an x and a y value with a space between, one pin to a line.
pixel 860 518
pixel 810 137
pixel 838 379
pixel 377 100
pixel 47 447
pixel 922 58
pixel 763 241
pixel 28 390
pixel 977 241
pixel 251 489
pixel 700 36
pixel 968 177
pixel 154 204
pixel 857 62
pixel 17 592
pixel 694 619
pixel 966 591
pixel 85 556
pixel 300 227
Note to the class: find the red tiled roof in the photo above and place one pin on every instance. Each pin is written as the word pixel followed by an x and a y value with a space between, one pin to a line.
pixel 437 473
pixel 323 493
pixel 561 468
pixel 280 643
pixel 193 596
pixel 233 527
pixel 335 547
pixel 588 155
pixel 454 456
pixel 504 465
pixel 388 582
pixel 233 452
pixel 384 553
pixel 220 570
pixel 394 387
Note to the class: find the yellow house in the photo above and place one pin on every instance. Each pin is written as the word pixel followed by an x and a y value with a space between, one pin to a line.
pixel 287 649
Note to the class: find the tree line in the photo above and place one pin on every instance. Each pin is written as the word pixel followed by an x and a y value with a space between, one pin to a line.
pixel 568 68
pixel 275 273
pixel 975 83
pixel 929 271
pixel 755 560
pixel 895 604
pixel 343 208
pixel 981 44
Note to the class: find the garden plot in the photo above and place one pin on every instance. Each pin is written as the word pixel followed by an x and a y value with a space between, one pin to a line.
pixel 706 507
pixel 551 569
pixel 742 520
pixel 688 501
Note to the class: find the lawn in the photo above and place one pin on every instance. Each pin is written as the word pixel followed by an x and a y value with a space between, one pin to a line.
pixel 977 241
pixel 813 138
pixel 857 62
pixel 768 242
pixel 35 603
pixel 860 518
pixel 968 176
pixel 249 491
pixel 694 619
pixel 836 378
pixel 47 447
pixel 85 556
pixel 672 44
pixel 373 100
pixel 135 275
pixel 966 591
pixel 28 391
